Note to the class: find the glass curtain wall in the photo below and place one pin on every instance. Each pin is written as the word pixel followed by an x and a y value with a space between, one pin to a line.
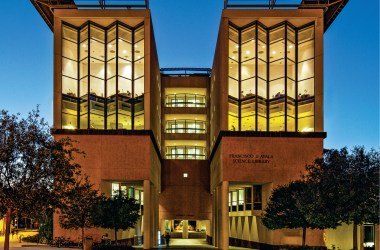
pixel 102 77
pixel 270 88
pixel 69 78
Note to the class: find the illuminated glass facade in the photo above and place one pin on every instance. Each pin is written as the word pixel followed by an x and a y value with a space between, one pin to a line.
pixel 271 78
pixel 102 76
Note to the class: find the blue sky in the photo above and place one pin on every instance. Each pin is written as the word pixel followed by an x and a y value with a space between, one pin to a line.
pixel 186 34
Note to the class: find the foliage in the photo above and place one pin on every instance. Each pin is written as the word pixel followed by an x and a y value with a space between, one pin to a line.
pixel 46 228
pixel 348 187
pixel 341 187
pixel 33 166
pixel 79 205
pixel 285 208
pixel 31 238
pixel 117 212
pixel 112 247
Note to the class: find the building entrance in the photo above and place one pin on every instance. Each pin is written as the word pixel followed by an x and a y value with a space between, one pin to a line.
pixel 185 229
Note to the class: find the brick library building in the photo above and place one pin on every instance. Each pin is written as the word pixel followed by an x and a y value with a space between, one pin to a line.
pixel 200 149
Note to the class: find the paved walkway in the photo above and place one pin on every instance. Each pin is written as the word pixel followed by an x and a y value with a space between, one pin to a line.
pixel 174 245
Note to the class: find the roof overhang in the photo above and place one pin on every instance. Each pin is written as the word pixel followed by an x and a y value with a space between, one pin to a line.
pixel 331 8
pixel 46 7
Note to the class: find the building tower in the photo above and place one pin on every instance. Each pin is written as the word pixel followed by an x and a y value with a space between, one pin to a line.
pixel 107 98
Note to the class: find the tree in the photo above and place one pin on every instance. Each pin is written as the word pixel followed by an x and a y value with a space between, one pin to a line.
pixel 33 166
pixel 77 211
pixel 117 212
pixel 348 185
pixel 285 208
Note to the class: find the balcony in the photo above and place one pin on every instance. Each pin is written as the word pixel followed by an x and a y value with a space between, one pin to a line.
pixel 185 100
pixel 185 126
pixel 186 153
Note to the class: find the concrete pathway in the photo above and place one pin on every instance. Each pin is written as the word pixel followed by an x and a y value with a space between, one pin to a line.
pixel 175 244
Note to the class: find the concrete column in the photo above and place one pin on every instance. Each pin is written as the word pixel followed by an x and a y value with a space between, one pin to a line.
pixel 215 218
pixel 223 234
pixel 185 229
pixel 147 223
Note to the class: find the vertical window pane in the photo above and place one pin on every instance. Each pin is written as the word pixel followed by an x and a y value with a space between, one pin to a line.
pixel 248 115
pixel 233 70
pixel 290 50
pixel 248 88
pixel 291 88
pixel 125 102
pixel 125 68
pixel 83 43
pixel 97 68
pixel 83 68
pixel 305 69
pixel 306 115
pixel 248 198
pixel 111 43
pixel 277 88
pixel 70 86
pixel 69 68
pixel 233 122
pixel 233 88
pixel 248 69
pixel 257 197
pixel 139 68
pixel 277 69
pixel 291 115
pixel 139 103
pixel 306 88
pixel 111 103
pixel 69 49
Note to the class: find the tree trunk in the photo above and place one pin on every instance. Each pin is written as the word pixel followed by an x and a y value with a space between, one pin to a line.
pixel 83 238
pixel 303 236
pixel 355 237
pixel 7 228
pixel 115 235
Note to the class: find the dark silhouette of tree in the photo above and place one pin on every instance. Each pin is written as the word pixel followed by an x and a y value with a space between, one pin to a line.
pixel 285 208
pixel 33 167
pixel 77 211
pixel 348 186
pixel 117 212
pixel 342 187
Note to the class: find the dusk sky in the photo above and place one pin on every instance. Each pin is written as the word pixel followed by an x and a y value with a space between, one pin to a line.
pixel 186 32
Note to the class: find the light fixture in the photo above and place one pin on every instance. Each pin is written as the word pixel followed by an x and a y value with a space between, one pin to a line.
pixel 263 46
pixel 109 45
pixel 124 52
pixel 273 52
pixel 307 130
pixel 84 45
pixel 291 46
pixel 248 52
pixel 236 46
pixel 185 175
